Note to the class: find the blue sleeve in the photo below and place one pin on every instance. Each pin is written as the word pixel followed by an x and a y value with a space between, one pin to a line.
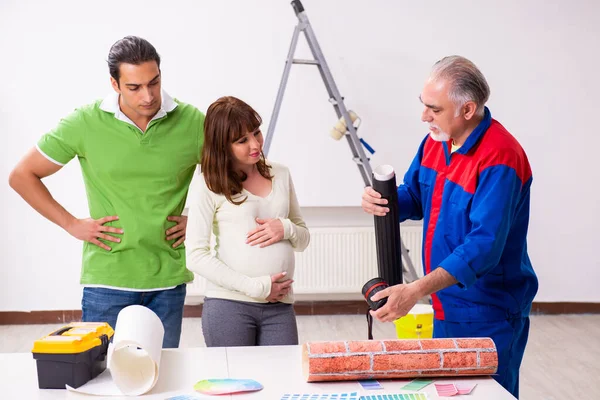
pixel 409 192
pixel 492 210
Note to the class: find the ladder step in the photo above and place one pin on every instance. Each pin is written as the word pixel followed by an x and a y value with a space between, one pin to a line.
pixel 358 160
pixel 334 102
pixel 309 62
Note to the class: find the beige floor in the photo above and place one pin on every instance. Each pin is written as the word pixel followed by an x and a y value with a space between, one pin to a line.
pixel 562 360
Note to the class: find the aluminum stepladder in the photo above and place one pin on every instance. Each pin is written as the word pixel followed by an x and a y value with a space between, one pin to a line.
pixel 337 101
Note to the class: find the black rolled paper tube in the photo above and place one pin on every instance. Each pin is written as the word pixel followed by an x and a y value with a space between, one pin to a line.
pixel 387 228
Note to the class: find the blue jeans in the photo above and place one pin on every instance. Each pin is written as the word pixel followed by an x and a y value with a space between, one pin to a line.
pixel 103 305
pixel 510 337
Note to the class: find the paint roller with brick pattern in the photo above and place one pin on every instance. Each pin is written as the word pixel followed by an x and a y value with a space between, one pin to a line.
pixel 390 359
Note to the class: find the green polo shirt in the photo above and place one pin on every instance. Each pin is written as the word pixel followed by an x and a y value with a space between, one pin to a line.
pixel 142 177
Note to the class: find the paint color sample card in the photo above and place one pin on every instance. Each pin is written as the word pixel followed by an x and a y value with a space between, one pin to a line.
pixel 465 388
pixel 355 396
pixel 321 396
pixel 399 396
pixel 226 386
pixel 416 385
pixel 446 389
pixel 452 389
pixel 370 385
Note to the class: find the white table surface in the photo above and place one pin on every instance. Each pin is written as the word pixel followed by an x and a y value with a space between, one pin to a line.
pixel 277 368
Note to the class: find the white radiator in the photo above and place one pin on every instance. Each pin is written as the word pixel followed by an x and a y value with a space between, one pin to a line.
pixel 337 262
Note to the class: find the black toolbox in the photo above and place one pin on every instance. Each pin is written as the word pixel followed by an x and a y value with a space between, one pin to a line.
pixel 72 355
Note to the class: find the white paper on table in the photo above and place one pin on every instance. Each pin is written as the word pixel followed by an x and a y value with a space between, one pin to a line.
pixel 102 385
pixel 133 356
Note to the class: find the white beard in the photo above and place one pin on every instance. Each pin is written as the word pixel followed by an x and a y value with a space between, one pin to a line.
pixel 439 137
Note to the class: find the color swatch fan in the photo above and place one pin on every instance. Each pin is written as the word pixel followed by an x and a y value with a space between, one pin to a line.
pixel 227 386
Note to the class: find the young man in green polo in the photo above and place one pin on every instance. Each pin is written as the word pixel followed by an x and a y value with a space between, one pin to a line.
pixel 138 150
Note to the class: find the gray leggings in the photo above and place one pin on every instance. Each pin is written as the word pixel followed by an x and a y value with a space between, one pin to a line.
pixel 238 323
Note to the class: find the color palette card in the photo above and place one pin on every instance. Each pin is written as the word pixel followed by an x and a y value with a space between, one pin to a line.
pixel 452 389
pixel 465 388
pixel 446 389
pixel 321 396
pixel 227 386
pixel 397 396
pixel 417 385
pixel 370 385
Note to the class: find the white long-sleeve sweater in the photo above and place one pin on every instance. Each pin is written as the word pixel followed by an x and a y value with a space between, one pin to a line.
pixel 236 270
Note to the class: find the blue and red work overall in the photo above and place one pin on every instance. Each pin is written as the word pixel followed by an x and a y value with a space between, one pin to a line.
pixel 474 203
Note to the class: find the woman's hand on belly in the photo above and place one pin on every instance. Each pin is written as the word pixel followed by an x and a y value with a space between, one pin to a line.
pixel 267 232
pixel 280 287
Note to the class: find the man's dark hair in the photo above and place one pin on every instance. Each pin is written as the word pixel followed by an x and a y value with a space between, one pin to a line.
pixel 130 50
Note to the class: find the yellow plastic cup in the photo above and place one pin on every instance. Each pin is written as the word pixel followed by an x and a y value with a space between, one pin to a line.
pixel 417 324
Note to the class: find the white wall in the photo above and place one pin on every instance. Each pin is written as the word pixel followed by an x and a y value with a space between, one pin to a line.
pixel 540 60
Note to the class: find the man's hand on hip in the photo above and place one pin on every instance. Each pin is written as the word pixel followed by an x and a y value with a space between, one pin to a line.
pixel 178 231
pixel 90 230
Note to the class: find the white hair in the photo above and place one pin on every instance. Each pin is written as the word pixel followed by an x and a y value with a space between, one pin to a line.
pixel 467 83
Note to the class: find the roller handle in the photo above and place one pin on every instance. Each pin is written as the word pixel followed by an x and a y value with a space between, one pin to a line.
pixel 387 233
pixel 298 7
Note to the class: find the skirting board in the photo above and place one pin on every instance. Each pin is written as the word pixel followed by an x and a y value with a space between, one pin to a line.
pixel 301 307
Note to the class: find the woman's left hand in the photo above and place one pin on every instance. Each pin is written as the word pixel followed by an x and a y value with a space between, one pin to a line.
pixel 269 231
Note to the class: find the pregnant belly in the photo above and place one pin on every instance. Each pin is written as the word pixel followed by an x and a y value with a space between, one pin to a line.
pixel 254 261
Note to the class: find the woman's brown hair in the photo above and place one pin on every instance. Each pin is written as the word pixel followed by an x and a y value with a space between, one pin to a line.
pixel 227 120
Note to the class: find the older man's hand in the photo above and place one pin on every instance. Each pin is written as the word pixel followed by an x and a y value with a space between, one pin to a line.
pixel 401 298
pixel 372 202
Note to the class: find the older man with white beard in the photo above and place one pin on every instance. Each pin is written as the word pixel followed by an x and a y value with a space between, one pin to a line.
pixel 470 183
